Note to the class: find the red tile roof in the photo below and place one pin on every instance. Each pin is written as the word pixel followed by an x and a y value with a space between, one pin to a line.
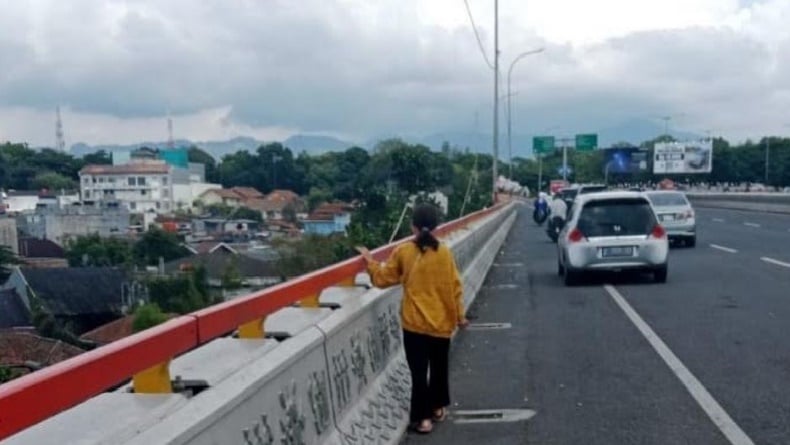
pixel 223 193
pixel 247 192
pixel 18 347
pixel 113 331
pixel 327 211
pixel 141 168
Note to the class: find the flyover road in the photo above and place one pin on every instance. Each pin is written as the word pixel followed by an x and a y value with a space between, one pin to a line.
pixel 702 359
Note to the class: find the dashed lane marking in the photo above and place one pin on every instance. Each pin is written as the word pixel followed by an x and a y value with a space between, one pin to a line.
pixel 776 262
pixel 722 248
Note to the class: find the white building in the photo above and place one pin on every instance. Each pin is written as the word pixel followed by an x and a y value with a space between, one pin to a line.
pixel 140 186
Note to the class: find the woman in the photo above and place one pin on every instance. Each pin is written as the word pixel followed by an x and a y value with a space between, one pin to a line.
pixel 431 309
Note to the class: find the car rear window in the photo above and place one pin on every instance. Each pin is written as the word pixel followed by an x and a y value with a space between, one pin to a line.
pixel 593 189
pixel 667 199
pixel 616 217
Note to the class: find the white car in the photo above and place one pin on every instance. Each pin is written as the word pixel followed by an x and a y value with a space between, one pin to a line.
pixel 612 231
pixel 675 213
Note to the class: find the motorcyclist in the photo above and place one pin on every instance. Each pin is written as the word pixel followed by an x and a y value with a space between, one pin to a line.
pixel 559 210
pixel 541 208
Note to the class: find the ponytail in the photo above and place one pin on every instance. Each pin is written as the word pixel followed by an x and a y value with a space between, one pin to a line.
pixel 425 239
pixel 424 219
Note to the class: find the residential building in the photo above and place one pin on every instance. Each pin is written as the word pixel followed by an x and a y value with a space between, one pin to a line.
pixel 220 196
pixel 24 351
pixel 13 312
pixel 81 298
pixel 248 193
pixel 272 206
pixel 41 253
pixel 19 201
pixel 8 233
pixel 254 271
pixel 113 331
pixel 328 219
pixel 105 218
pixel 140 186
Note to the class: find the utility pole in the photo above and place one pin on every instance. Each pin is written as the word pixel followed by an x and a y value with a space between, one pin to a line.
pixel 767 157
pixel 564 142
pixel 496 98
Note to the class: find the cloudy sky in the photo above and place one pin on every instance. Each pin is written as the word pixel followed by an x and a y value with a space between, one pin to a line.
pixel 360 69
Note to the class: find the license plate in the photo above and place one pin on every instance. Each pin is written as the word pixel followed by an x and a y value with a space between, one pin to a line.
pixel 608 252
pixel 668 217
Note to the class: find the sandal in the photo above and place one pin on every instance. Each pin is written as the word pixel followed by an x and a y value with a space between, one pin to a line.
pixel 424 427
pixel 440 415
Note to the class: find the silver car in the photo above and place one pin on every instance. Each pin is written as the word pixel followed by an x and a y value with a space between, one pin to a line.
pixel 612 231
pixel 675 213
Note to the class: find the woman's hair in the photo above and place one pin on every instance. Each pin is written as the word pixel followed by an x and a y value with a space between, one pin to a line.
pixel 425 218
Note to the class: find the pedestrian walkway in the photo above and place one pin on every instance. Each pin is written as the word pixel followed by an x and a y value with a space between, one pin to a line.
pixel 488 361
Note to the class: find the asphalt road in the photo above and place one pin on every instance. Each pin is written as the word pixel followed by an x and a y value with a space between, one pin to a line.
pixel 593 374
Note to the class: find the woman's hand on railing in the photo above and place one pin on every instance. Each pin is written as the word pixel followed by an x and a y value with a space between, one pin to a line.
pixel 365 254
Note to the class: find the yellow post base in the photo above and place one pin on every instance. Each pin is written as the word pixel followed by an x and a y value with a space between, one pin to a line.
pixel 252 329
pixel 311 301
pixel 154 380
pixel 347 282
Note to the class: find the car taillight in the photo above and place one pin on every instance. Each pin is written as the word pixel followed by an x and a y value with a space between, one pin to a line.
pixel 690 214
pixel 575 235
pixel 658 232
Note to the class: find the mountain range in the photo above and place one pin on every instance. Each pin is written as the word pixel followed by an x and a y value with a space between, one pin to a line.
pixel 633 132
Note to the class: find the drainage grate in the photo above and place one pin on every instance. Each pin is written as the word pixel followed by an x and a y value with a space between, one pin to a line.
pixel 489 326
pixel 492 415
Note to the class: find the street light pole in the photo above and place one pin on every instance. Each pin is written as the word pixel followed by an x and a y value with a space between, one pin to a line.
pixel 509 110
pixel 496 99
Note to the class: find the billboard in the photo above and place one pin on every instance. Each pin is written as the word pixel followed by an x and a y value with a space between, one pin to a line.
pixel 625 160
pixel 683 157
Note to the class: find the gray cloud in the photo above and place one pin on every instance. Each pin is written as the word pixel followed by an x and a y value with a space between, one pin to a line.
pixel 318 66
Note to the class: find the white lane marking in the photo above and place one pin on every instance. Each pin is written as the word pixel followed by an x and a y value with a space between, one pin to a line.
pixel 751 224
pixel 720 418
pixel 773 261
pixel 726 249
pixel 718 220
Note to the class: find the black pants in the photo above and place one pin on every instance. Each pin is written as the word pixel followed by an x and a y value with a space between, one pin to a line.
pixel 425 353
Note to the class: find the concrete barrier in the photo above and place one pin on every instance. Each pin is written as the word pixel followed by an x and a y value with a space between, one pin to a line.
pixel 753 202
pixel 336 377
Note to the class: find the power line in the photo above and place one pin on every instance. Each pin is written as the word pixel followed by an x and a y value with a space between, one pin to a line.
pixel 477 36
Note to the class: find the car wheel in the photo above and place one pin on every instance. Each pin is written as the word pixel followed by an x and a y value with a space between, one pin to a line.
pixel 660 274
pixel 571 277
pixel 691 242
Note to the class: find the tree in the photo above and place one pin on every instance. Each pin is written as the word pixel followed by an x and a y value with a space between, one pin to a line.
pixel 53 181
pixel 100 157
pixel 8 259
pixel 185 293
pixel 148 316
pixel 231 278
pixel 155 244
pixel 93 250
pixel 197 155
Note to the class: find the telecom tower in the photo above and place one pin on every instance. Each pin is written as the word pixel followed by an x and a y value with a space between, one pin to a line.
pixel 170 142
pixel 60 142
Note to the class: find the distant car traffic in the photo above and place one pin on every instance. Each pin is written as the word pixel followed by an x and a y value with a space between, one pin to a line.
pixel 676 214
pixel 569 194
pixel 612 231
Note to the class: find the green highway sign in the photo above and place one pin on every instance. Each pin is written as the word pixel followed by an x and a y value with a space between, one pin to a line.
pixel 542 144
pixel 586 142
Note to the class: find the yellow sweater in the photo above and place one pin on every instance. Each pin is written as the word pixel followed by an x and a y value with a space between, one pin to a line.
pixel 432 291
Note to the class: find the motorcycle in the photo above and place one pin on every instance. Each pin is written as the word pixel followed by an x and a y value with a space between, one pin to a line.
pixel 539 215
pixel 554 227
